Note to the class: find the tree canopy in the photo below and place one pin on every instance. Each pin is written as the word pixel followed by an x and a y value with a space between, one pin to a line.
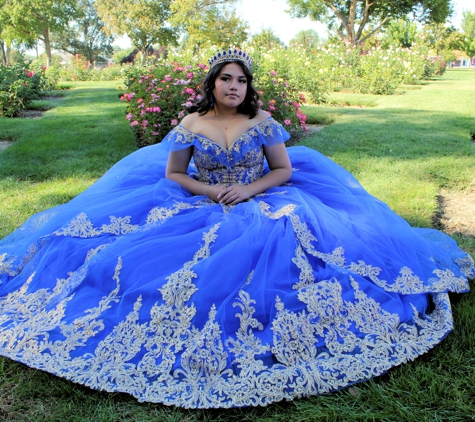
pixel 468 28
pixel 352 16
pixel 84 35
pixel 400 32
pixel 266 39
pixel 442 40
pixel 308 38
pixel 209 21
pixel 145 22
pixel 26 20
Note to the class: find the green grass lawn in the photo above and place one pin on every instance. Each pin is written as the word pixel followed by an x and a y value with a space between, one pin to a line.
pixel 404 149
pixel 57 156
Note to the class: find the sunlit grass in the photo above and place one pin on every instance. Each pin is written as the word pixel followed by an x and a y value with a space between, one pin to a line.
pixel 57 156
pixel 408 147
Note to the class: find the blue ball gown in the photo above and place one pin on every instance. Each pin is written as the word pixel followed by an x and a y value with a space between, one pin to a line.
pixel 137 286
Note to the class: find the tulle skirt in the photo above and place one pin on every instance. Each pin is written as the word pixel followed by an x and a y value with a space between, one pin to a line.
pixel 137 286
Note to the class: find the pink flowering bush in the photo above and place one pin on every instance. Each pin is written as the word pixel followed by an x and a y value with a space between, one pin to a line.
pixel 338 65
pixel 294 65
pixel 158 99
pixel 281 101
pixel 19 86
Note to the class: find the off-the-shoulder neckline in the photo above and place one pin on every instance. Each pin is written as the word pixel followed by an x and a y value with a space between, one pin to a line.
pixel 234 142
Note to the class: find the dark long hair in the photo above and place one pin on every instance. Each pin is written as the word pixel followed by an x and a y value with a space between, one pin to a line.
pixel 250 104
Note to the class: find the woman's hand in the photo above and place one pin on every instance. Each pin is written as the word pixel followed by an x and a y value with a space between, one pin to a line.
pixel 234 194
pixel 214 191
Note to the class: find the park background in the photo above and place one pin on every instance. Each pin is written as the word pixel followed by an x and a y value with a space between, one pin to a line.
pixel 393 110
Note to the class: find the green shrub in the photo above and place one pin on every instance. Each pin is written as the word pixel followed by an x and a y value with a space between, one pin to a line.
pixel 281 101
pixel 19 86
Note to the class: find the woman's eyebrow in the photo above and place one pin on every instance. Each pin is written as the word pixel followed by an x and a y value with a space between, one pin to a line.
pixel 227 74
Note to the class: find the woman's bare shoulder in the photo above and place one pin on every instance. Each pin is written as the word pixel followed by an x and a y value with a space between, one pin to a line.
pixel 190 120
pixel 261 116
pixel 195 123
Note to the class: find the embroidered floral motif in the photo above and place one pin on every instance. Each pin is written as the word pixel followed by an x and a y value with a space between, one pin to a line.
pixel 365 270
pixel 119 225
pixel 264 194
pixel 306 270
pixel 162 214
pixel 182 135
pixel 95 251
pixel 447 281
pixel 305 237
pixel 241 164
pixel 80 226
pixel 286 210
pixel 6 265
pixel 32 251
pixel 409 283
pixel 467 266
pixel 239 168
pixel 300 365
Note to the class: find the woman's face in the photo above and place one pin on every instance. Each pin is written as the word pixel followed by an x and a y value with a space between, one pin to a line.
pixel 230 87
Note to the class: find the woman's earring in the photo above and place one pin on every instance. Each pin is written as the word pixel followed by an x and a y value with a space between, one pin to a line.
pixel 211 101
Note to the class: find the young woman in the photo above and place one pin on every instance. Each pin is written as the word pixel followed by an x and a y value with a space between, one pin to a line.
pixel 229 85
pixel 208 271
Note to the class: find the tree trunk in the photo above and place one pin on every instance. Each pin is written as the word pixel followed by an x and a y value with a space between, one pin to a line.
pixel 4 55
pixel 144 54
pixel 7 55
pixel 47 42
pixel 348 24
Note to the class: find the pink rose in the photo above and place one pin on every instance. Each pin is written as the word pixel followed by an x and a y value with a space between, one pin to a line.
pixel 287 122
pixel 174 122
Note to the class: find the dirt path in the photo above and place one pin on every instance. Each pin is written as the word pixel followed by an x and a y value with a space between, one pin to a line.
pixel 5 145
pixel 456 212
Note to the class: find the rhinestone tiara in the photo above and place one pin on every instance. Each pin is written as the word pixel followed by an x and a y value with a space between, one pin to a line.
pixel 229 56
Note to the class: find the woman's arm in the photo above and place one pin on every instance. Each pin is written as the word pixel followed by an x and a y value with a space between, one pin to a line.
pixel 281 171
pixel 177 167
